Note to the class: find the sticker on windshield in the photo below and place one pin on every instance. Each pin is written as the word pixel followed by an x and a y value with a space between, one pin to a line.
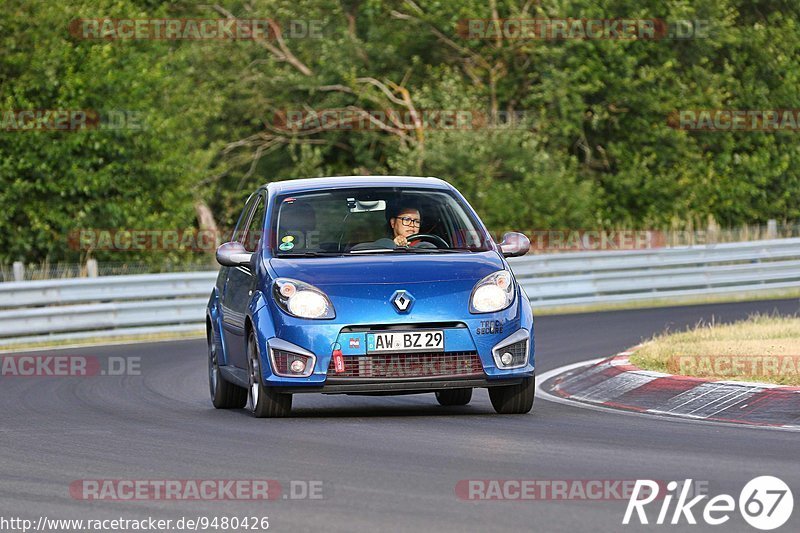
pixel 284 246
pixel 288 238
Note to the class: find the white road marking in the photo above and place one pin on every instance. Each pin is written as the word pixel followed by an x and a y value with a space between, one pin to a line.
pixel 679 418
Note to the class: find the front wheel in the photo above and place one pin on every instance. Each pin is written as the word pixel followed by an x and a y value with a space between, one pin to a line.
pixel 262 401
pixel 224 394
pixel 454 397
pixel 513 399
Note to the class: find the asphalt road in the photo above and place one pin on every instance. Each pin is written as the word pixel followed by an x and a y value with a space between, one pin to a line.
pixel 386 463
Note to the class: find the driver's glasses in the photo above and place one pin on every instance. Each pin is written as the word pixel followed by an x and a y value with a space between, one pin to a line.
pixel 408 221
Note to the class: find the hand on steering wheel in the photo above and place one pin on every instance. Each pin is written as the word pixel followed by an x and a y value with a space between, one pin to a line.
pixel 433 239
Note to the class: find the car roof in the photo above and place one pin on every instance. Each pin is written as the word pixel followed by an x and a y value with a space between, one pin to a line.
pixel 342 182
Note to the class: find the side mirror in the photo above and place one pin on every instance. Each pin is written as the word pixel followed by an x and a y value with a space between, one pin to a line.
pixel 233 254
pixel 514 244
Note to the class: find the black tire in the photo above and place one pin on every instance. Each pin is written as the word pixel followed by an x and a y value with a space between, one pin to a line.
pixel 224 394
pixel 454 396
pixel 262 402
pixel 513 399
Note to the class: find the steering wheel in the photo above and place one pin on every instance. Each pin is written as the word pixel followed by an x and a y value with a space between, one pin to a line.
pixel 433 239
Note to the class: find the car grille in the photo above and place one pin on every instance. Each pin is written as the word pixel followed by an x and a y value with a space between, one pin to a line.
pixel 415 365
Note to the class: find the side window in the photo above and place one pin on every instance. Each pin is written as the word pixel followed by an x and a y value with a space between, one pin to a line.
pixel 254 229
pixel 241 225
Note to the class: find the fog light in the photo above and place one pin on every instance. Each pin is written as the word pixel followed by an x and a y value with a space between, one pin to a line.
pixel 289 360
pixel 513 351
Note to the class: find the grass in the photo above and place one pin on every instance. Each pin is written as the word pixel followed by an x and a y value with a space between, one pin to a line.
pixel 99 341
pixel 762 348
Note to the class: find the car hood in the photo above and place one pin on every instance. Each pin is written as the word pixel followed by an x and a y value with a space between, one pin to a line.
pixel 388 268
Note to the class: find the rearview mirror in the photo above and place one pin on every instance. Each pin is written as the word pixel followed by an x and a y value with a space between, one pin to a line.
pixel 514 244
pixel 233 254
pixel 363 206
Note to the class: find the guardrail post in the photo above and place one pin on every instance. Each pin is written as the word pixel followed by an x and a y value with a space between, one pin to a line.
pixel 19 271
pixel 91 268
pixel 772 229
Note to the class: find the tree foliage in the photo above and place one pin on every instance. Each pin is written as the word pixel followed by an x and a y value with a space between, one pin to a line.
pixel 594 147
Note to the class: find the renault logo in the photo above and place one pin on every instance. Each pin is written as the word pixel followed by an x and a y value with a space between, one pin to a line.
pixel 402 301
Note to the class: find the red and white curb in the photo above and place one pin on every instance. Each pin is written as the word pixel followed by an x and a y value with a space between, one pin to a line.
pixel 614 383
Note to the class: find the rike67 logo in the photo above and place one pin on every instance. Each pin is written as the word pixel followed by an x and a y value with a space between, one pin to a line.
pixel 765 503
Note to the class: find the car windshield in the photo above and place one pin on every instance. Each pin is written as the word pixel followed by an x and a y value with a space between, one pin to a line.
pixel 375 221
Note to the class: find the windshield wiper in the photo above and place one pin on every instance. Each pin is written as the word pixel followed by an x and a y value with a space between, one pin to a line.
pixel 309 254
pixel 431 250
pixel 408 250
pixel 372 251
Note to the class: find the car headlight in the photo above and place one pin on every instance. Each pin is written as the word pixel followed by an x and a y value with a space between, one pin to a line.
pixel 493 293
pixel 302 300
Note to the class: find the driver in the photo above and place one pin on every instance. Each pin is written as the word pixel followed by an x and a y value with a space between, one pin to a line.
pixel 404 221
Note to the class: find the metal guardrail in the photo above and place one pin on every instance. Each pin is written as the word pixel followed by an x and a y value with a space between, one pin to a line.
pixel 64 309
pixel 31 311
pixel 625 276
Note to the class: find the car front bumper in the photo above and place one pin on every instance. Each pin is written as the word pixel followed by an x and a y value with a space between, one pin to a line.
pixel 474 338
pixel 399 386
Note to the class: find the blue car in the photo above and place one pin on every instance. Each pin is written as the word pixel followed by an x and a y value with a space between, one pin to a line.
pixel 367 285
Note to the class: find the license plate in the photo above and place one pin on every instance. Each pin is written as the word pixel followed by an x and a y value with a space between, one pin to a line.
pixel 406 341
